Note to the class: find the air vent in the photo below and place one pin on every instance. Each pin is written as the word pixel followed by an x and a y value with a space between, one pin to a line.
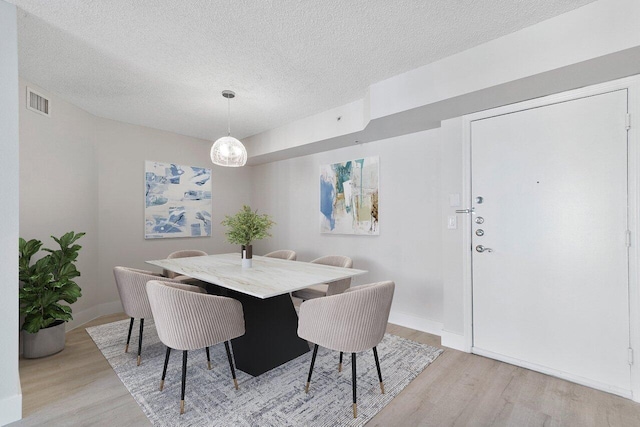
pixel 37 103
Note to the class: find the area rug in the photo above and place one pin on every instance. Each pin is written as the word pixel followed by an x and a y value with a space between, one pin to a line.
pixel 276 398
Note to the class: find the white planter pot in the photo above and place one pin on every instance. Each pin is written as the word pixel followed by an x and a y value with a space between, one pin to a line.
pixel 246 263
pixel 45 342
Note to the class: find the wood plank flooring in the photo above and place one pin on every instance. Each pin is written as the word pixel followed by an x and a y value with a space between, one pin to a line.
pixel 77 387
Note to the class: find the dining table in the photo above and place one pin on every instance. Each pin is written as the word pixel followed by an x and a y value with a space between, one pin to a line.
pixel 264 289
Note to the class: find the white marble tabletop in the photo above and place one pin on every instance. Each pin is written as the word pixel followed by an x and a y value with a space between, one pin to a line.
pixel 267 277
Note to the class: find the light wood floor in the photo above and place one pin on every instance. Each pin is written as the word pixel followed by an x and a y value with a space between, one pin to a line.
pixel 78 387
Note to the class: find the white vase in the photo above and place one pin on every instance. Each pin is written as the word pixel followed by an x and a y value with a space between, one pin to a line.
pixel 246 262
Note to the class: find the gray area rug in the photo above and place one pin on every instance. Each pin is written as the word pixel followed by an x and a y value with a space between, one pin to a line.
pixel 276 398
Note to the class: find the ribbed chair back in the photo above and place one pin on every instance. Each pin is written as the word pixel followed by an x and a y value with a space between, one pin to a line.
pixel 131 284
pixel 350 322
pixel 339 286
pixel 182 254
pixel 189 320
pixel 353 321
pixel 283 254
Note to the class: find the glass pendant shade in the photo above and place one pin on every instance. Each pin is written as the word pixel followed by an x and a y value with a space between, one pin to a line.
pixel 228 151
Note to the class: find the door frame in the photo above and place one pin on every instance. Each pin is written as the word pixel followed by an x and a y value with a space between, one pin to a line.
pixel 632 84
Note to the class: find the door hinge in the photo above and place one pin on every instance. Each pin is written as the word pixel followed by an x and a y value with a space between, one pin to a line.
pixel 628 238
pixel 630 356
pixel 627 121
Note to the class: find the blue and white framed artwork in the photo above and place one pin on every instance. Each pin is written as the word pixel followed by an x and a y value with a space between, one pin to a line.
pixel 177 201
pixel 349 197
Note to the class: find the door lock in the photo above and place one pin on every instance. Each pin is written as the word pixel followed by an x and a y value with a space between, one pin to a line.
pixel 479 220
pixel 479 232
pixel 481 249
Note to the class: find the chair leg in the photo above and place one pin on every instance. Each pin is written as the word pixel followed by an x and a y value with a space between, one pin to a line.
pixel 164 370
pixel 340 364
pixel 140 340
pixel 230 357
pixel 313 361
pixel 353 384
pixel 375 355
pixel 126 348
pixel 184 380
pixel 208 358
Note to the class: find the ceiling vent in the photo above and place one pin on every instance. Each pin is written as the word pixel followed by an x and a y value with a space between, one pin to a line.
pixel 36 102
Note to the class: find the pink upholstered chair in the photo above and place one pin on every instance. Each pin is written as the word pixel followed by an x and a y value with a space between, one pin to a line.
pixel 190 321
pixel 131 284
pixel 182 254
pixel 333 288
pixel 352 322
pixel 283 254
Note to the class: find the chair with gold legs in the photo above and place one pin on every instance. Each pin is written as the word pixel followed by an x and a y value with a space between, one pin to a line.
pixel 190 321
pixel 131 284
pixel 350 322
pixel 327 289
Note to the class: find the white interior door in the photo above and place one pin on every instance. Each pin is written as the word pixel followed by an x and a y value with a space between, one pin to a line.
pixel 551 293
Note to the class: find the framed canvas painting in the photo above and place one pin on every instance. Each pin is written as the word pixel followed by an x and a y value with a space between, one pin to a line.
pixel 349 197
pixel 177 201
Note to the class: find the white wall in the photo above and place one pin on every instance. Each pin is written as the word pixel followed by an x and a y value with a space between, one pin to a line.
pixel 10 392
pixel 408 249
pixel 58 185
pixel 85 173
pixel 122 150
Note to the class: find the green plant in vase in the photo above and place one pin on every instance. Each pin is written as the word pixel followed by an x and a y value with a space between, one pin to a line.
pixel 245 227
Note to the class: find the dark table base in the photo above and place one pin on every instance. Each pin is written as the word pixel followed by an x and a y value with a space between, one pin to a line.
pixel 271 338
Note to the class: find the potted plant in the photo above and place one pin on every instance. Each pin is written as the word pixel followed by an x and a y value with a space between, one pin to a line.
pixel 46 284
pixel 246 226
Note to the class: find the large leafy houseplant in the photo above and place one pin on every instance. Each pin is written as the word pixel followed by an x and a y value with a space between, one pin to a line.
pixel 246 226
pixel 48 282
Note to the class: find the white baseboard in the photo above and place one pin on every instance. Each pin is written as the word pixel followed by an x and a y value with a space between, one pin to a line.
pixel 10 409
pixel 94 312
pixel 454 341
pixel 415 322
pixel 555 373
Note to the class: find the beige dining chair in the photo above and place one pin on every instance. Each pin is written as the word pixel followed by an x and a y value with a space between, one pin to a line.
pixel 351 322
pixel 333 288
pixel 283 254
pixel 131 284
pixel 190 321
pixel 182 254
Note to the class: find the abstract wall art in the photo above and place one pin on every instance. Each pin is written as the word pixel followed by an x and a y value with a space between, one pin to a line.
pixel 349 197
pixel 177 201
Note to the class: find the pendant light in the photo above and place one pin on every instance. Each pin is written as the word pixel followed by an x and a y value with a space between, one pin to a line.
pixel 228 151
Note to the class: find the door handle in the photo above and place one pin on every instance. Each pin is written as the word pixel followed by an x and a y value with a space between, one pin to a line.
pixel 467 211
pixel 481 249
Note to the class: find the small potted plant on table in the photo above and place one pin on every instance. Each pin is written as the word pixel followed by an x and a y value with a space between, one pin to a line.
pixel 45 285
pixel 244 227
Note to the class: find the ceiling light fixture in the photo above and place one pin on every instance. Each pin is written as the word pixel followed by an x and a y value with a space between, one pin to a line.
pixel 228 151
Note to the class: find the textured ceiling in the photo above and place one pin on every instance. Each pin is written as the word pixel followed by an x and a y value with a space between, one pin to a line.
pixel 163 63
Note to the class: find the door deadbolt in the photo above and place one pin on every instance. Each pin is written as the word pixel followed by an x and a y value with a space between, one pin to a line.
pixel 479 220
pixel 479 232
pixel 479 200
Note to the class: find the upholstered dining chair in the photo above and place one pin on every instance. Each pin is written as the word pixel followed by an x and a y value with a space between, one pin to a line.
pixel 283 254
pixel 131 284
pixel 333 288
pixel 190 321
pixel 350 322
pixel 182 254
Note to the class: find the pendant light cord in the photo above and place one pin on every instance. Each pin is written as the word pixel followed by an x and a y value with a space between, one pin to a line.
pixel 229 116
